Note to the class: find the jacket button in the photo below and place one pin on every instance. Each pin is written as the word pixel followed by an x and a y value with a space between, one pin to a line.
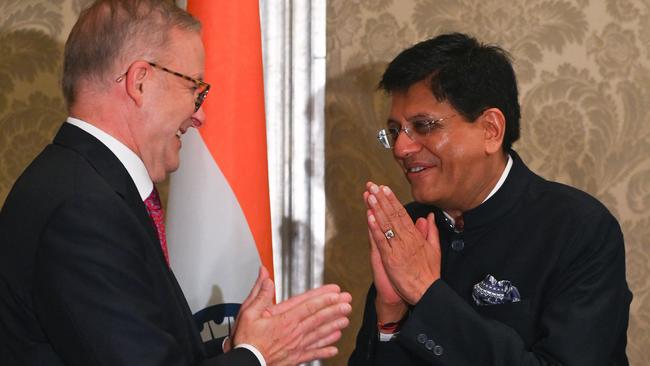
pixel 429 344
pixel 437 350
pixel 457 245
pixel 422 338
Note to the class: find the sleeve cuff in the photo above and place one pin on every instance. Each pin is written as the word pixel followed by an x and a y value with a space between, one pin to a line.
pixel 387 337
pixel 257 353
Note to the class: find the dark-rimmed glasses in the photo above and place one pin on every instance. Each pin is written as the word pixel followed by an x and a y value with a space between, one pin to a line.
pixel 420 128
pixel 201 86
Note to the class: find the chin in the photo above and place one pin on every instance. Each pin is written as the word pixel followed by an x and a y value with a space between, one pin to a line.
pixel 424 196
pixel 172 168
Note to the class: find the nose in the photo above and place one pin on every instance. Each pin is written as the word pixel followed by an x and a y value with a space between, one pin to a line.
pixel 405 145
pixel 198 118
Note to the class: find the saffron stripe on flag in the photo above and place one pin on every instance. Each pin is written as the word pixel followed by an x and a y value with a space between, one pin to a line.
pixel 219 224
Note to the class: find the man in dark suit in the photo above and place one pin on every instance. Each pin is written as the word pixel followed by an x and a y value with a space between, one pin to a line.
pixel 83 273
pixel 492 264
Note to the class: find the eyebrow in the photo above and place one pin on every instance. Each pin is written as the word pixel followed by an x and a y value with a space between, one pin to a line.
pixel 411 118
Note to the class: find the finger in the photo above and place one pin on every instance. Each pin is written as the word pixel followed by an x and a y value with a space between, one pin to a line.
pixel 394 208
pixel 297 300
pixel 261 276
pixel 317 354
pixel 325 339
pixel 378 235
pixel 365 199
pixel 324 316
pixel 381 209
pixel 422 225
pixel 432 230
pixel 371 240
pixel 366 193
pixel 318 310
pixel 377 266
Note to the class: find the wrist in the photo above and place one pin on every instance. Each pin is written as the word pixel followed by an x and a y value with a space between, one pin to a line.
pixel 389 331
pixel 390 312
pixel 420 288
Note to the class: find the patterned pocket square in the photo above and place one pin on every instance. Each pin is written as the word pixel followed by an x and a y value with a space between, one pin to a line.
pixel 493 292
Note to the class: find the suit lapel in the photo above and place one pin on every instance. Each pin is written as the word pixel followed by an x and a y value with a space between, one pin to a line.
pixel 106 164
pixel 102 159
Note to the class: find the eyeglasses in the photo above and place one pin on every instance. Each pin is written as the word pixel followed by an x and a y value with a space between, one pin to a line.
pixel 201 86
pixel 420 128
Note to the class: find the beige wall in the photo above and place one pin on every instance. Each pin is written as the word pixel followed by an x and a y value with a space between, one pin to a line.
pixel 32 36
pixel 584 76
pixel 585 92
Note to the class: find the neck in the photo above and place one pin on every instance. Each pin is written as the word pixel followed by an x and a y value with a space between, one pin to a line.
pixel 109 119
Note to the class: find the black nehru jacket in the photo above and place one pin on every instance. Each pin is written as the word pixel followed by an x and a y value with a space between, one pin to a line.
pixel 560 247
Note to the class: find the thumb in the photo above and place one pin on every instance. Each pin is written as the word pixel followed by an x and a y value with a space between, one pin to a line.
pixel 264 299
pixel 262 275
pixel 421 224
pixel 432 231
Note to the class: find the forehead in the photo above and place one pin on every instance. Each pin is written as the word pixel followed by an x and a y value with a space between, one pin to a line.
pixel 417 100
pixel 186 50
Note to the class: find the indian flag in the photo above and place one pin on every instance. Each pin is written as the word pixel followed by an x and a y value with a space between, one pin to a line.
pixel 218 212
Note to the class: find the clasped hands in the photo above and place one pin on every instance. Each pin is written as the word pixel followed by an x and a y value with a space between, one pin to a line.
pixel 300 329
pixel 405 257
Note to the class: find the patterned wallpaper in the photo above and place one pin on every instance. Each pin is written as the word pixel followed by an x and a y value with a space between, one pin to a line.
pixel 584 74
pixel 585 94
pixel 32 36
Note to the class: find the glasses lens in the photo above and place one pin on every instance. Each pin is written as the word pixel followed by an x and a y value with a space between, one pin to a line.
pixel 201 97
pixel 387 138
pixel 423 128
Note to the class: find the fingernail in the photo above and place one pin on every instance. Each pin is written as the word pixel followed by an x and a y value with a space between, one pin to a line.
pixel 372 199
pixel 387 190
pixel 374 188
pixel 372 219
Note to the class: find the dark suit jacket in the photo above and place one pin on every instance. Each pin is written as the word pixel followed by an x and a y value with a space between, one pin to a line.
pixel 83 280
pixel 560 247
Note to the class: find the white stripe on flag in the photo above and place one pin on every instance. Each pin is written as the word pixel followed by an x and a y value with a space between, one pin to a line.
pixel 211 247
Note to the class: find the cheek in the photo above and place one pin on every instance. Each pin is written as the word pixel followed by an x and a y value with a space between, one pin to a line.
pixel 441 146
pixel 461 147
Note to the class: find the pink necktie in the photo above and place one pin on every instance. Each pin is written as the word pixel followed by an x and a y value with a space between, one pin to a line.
pixel 157 215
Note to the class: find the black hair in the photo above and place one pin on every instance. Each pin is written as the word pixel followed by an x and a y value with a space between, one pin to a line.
pixel 471 76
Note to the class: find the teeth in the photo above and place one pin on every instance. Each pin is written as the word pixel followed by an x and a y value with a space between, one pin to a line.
pixel 416 169
pixel 178 133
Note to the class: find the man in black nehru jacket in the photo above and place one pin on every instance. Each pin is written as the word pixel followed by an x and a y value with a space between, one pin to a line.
pixel 492 264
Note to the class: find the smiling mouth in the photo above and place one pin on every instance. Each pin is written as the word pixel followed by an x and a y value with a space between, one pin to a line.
pixel 180 132
pixel 415 169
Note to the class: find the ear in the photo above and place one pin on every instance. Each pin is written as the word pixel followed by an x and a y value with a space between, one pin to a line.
pixel 135 79
pixel 494 127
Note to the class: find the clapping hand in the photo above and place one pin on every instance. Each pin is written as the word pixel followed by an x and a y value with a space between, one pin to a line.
pixel 300 329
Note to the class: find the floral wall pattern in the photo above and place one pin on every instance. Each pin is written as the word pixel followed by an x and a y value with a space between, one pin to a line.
pixel 32 36
pixel 583 68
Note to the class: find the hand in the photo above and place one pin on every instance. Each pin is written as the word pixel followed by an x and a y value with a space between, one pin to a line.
pixel 297 330
pixel 389 305
pixel 411 259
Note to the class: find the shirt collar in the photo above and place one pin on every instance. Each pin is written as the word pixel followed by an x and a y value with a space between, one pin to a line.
pixel 133 164
pixel 500 182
